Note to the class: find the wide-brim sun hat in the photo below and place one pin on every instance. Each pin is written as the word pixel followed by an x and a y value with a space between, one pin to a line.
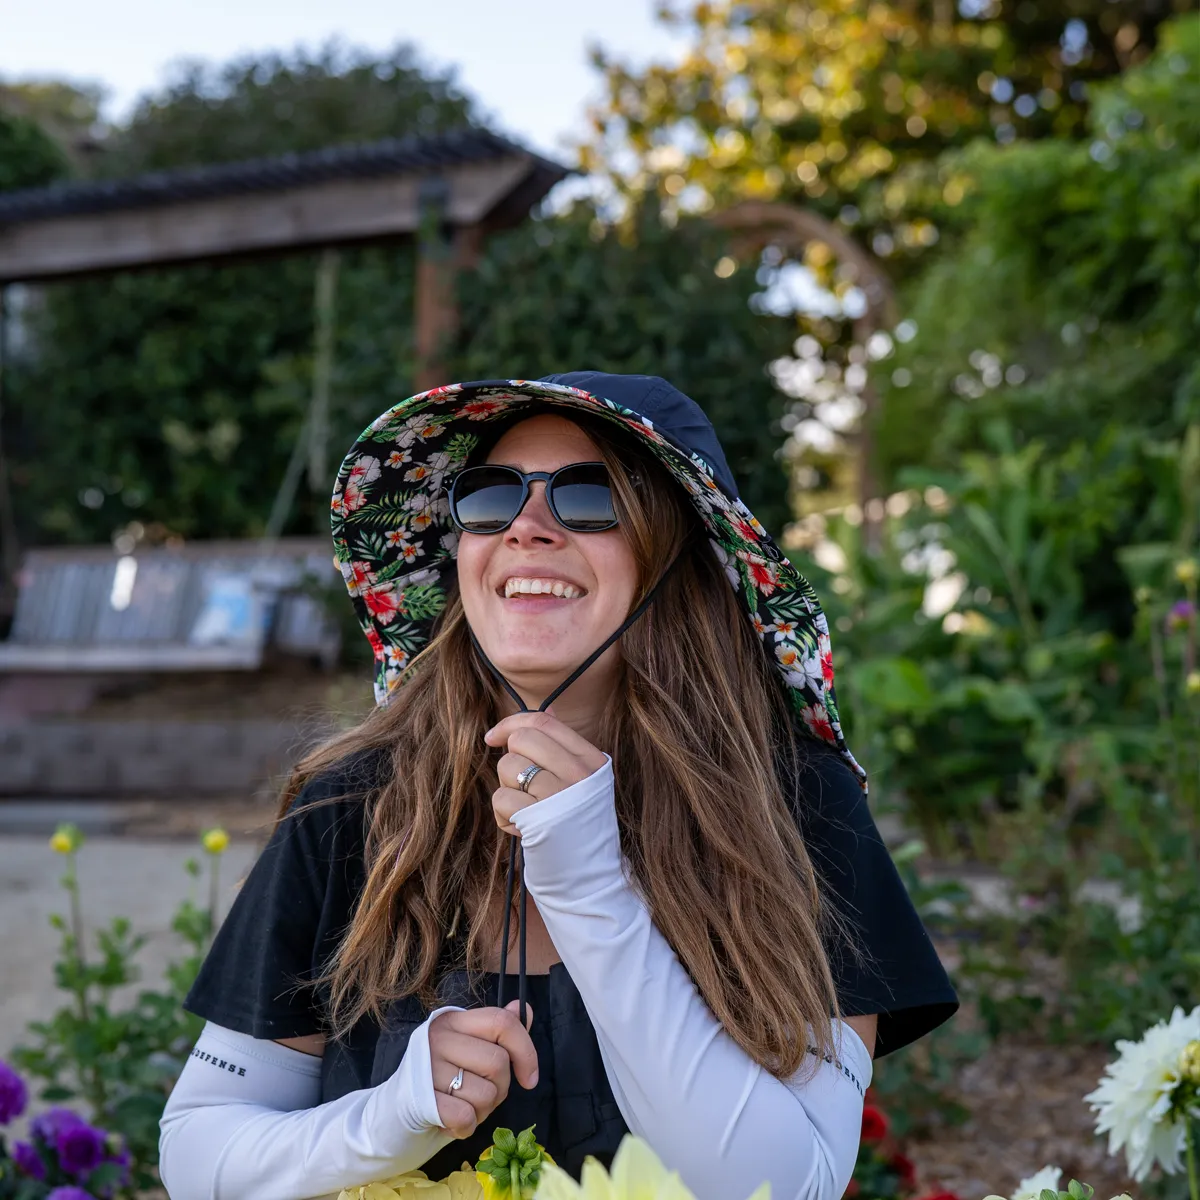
pixel 395 543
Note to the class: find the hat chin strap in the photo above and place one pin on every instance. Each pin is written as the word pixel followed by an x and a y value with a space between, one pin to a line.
pixel 512 849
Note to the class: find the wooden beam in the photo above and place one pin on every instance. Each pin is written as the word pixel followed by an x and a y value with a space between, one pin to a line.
pixel 440 257
pixel 270 221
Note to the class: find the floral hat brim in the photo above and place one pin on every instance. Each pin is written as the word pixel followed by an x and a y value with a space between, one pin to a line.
pixel 394 540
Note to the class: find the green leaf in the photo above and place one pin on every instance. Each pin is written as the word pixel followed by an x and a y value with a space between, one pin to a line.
pixel 897 685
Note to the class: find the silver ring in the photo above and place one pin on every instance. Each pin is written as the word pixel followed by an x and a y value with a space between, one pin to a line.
pixel 456 1082
pixel 525 777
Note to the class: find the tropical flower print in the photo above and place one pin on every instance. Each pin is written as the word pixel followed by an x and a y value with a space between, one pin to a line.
pixel 480 410
pixel 357 575
pixel 395 543
pixel 814 676
pixel 377 646
pixel 362 474
pixel 817 718
pixel 382 602
pixel 762 574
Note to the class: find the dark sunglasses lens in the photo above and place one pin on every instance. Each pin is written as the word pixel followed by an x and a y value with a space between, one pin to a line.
pixel 583 499
pixel 486 498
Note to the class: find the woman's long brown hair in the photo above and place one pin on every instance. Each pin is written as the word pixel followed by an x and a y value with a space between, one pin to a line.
pixel 698 729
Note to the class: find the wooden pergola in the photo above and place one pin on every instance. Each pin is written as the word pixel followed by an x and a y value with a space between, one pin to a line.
pixel 446 192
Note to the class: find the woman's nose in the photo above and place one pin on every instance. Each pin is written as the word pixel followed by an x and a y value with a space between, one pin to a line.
pixel 535 521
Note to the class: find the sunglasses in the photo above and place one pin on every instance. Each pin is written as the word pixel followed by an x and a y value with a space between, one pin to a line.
pixel 488 499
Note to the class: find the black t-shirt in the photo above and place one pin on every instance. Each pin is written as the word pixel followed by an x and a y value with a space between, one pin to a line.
pixel 291 912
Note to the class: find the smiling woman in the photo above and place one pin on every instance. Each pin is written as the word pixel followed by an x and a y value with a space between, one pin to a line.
pixel 716 941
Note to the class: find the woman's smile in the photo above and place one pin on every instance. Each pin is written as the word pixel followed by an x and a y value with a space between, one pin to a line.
pixel 538 596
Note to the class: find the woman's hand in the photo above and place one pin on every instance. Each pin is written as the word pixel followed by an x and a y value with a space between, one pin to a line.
pixel 490 1046
pixel 537 738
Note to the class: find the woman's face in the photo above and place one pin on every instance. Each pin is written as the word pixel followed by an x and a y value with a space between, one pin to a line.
pixel 536 641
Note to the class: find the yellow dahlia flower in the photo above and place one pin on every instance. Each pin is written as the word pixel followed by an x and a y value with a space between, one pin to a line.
pixel 637 1174
pixel 412 1185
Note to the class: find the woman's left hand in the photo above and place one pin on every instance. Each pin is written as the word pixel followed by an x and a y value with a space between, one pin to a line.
pixel 536 737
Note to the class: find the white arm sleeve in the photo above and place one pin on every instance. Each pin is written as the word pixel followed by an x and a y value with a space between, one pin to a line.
pixel 243 1120
pixel 708 1110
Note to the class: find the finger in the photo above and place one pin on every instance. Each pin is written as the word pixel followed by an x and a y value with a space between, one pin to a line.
pixel 544 783
pixel 541 747
pixel 506 803
pixel 514 1006
pixel 478 1022
pixel 571 741
pixel 457 1116
pixel 479 1056
pixel 500 1025
pixel 480 1092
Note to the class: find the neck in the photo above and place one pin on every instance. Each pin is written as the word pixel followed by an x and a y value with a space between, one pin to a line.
pixel 580 707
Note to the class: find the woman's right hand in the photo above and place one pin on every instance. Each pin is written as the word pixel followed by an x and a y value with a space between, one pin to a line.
pixel 491 1047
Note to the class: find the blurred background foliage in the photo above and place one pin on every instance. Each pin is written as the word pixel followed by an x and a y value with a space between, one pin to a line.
pixel 1016 637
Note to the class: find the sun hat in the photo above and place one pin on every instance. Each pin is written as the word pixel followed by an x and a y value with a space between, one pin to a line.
pixel 395 543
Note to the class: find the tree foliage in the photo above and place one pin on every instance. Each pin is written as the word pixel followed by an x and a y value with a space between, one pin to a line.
pixel 1044 424
pixel 840 104
pixel 275 103
pixel 28 157
pixel 175 397
pixel 571 293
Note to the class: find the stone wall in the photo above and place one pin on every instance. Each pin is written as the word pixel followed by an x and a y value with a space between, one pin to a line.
pixel 85 758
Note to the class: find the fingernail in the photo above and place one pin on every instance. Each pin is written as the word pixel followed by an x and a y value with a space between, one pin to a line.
pixel 533 1080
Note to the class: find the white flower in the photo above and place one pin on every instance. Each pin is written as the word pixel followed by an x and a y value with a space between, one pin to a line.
pixel 1031 1188
pixel 1133 1099
pixel 728 563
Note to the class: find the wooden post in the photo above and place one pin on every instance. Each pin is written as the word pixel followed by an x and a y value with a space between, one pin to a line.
pixel 324 315
pixel 441 253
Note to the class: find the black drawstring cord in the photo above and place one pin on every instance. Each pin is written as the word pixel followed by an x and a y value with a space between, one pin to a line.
pixel 512 850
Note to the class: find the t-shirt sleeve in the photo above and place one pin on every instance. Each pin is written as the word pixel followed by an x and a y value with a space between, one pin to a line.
pixel 898 973
pixel 289 914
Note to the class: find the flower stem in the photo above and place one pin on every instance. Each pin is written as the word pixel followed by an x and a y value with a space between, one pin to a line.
pixel 1193 1180
pixel 213 895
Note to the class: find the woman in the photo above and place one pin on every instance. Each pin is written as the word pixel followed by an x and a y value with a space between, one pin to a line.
pixel 712 940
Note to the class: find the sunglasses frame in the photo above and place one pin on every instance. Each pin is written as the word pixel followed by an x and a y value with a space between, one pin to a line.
pixel 526 478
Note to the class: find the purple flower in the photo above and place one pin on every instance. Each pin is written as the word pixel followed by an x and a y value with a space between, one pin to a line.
pixel 80 1148
pixel 70 1193
pixel 1182 614
pixel 28 1160
pixel 48 1125
pixel 12 1094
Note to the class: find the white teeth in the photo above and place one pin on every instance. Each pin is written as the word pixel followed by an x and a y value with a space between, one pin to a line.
pixel 540 587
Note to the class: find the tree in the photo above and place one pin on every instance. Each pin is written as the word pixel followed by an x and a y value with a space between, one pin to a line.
pixel 844 104
pixel 271 104
pixel 574 293
pixel 28 158
pixel 175 397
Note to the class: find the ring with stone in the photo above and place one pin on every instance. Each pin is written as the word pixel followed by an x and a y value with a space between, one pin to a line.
pixel 525 777
pixel 456 1082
